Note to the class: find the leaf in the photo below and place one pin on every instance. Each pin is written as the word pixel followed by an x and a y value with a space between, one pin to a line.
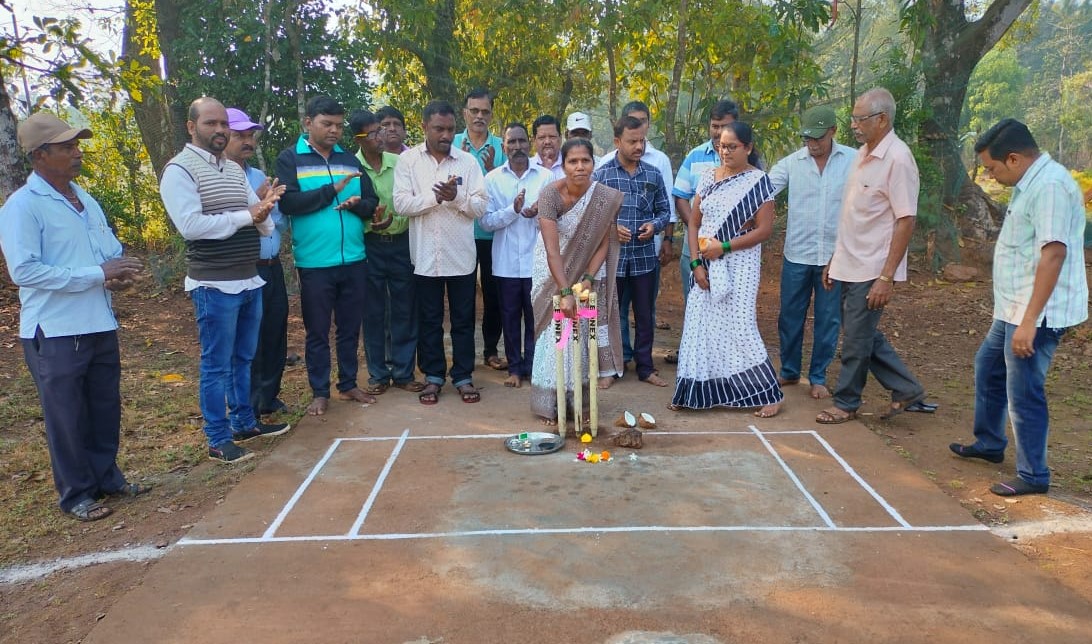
pixel 172 377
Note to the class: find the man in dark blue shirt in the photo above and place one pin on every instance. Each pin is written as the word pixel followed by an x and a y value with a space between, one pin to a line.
pixel 644 214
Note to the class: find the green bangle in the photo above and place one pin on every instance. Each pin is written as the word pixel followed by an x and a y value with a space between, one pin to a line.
pixel 589 277
pixel 726 246
pixel 566 292
pixel 695 263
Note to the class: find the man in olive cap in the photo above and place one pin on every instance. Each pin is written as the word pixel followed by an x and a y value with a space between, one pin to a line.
pixel 815 176
pixel 65 259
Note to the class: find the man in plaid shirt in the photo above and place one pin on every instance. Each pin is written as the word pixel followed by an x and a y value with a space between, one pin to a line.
pixel 644 214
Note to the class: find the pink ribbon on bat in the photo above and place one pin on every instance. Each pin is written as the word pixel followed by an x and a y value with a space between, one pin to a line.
pixel 567 324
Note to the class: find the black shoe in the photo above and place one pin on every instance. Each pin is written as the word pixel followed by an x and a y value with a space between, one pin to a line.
pixel 923 407
pixel 1017 487
pixel 229 452
pixel 261 429
pixel 970 451
pixel 277 407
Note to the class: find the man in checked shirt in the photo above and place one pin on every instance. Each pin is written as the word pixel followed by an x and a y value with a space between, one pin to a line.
pixel 645 213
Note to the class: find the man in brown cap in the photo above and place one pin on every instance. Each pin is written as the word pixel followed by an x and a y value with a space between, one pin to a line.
pixel 65 259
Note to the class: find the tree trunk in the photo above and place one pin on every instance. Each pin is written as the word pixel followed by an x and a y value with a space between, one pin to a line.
pixel 13 170
pixel 612 64
pixel 671 141
pixel 442 55
pixel 158 112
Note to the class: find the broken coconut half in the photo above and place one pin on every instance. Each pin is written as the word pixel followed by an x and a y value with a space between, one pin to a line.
pixel 626 419
pixel 646 421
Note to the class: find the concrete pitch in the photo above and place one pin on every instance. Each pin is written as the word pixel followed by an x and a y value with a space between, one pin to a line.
pixel 415 525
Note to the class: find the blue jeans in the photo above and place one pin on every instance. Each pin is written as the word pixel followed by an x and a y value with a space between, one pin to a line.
pixel 227 325
pixel 390 310
pixel 1007 387
pixel 798 283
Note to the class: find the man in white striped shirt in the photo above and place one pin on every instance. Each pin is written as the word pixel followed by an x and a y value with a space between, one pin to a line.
pixel 1040 289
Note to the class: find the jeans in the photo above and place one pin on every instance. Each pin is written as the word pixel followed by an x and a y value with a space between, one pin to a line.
pixel 518 320
pixel 78 379
pixel 625 300
pixel 491 313
pixel 641 290
pixel 334 294
pixel 684 267
pixel 430 346
pixel 227 325
pixel 268 365
pixel 390 310
pixel 864 349
pixel 798 283
pixel 1010 388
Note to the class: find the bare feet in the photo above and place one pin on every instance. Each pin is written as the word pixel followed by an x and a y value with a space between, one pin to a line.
pixel 513 381
pixel 318 406
pixel 605 382
pixel 356 394
pixel 769 411
pixel 549 422
pixel 819 392
pixel 653 379
pixel 784 382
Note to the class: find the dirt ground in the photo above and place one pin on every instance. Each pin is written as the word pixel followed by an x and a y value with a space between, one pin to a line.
pixel 935 325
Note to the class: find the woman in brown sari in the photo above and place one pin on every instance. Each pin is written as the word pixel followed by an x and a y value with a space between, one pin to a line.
pixel 577 219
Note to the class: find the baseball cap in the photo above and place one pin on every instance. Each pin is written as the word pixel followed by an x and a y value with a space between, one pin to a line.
pixel 578 121
pixel 816 121
pixel 42 128
pixel 238 120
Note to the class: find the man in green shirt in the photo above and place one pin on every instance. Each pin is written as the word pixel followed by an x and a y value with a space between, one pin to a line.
pixel 390 314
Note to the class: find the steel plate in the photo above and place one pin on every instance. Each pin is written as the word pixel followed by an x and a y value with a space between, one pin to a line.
pixel 534 443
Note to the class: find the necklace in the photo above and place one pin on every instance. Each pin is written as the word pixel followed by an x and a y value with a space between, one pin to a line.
pixel 74 200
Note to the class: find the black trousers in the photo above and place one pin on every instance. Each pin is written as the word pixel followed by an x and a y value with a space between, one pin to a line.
pixel 641 291
pixel 334 294
pixel 78 379
pixel 491 313
pixel 268 364
pixel 430 343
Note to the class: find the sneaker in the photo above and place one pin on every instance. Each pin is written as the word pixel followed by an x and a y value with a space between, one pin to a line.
pixel 261 429
pixel 229 452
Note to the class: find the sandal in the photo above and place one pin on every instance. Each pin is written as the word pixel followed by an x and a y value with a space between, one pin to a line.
pixel 835 416
pixel 377 389
pixel 430 394
pixel 413 386
pixel 130 490
pixel 89 510
pixel 469 393
pixel 496 363
pixel 899 406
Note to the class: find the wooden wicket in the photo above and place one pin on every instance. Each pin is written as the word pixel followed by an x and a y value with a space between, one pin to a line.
pixel 559 368
pixel 593 365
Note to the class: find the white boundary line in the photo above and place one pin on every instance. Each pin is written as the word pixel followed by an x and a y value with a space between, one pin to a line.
pixel 300 490
pixel 860 481
pixel 978 527
pixel 355 530
pixel 792 475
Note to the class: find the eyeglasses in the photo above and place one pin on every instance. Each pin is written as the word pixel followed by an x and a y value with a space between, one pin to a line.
pixel 858 119
pixel 478 111
pixel 729 147
pixel 374 134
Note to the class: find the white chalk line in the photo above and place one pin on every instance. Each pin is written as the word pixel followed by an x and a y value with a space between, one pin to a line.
pixel 792 475
pixel 301 489
pixel 378 485
pixel 860 481
pixel 30 572
pixel 368 439
pixel 504 532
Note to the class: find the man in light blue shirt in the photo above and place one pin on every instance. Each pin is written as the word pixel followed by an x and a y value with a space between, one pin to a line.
pixel 488 149
pixel 510 215
pixel 816 177
pixel 65 260
pixel 1040 289
pixel 267 368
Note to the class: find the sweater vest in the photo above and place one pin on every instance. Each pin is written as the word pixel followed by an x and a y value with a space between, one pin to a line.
pixel 217 260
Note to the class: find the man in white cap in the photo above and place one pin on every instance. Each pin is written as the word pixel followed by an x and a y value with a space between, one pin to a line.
pixel 578 126
pixel 65 259
pixel 268 365
pixel 815 176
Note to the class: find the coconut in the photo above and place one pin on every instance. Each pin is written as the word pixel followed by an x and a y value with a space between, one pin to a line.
pixel 646 421
pixel 626 419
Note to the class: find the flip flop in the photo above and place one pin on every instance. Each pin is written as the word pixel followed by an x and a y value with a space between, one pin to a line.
pixel 495 362
pixel 899 406
pixel 89 510
pixel 413 386
pixel 825 417
pixel 469 393
pixel 430 395
pixel 922 407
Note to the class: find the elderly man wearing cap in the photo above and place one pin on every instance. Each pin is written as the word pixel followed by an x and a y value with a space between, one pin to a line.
pixel 65 260
pixel 816 177
pixel 209 200
pixel 268 365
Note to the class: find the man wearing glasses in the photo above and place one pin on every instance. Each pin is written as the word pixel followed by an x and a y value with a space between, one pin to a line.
pixel 488 149
pixel 390 304
pixel 816 177
pixel 878 211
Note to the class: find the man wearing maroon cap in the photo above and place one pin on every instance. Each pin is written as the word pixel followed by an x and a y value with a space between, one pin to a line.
pixel 268 365
pixel 66 260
